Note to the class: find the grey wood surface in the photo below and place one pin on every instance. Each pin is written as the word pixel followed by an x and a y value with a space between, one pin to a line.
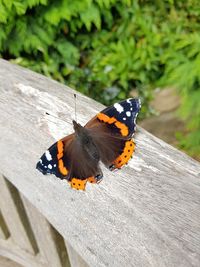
pixel 4 262
pixel 12 217
pixel 20 220
pixel 4 233
pixel 10 251
pixel 75 259
pixel 43 234
pixel 147 214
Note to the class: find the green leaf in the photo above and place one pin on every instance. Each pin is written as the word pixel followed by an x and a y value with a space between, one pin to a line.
pixel 20 7
pixel 91 15
pixel 68 51
pixel 3 13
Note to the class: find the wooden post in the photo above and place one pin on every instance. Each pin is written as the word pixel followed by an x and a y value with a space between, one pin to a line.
pixel 12 217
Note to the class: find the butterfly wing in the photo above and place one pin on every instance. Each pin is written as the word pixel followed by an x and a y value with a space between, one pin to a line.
pixel 54 160
pixel 83 167
pixel 112 130
pixel 67 160
pixel 121 117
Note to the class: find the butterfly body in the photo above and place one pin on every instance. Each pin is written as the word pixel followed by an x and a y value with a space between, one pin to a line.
pixel 86 142
pixel 106 138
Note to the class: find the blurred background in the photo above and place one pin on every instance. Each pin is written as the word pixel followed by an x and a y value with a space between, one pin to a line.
pixel 111 50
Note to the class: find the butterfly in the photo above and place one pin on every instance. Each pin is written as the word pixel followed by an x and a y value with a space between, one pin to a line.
pixel 107 137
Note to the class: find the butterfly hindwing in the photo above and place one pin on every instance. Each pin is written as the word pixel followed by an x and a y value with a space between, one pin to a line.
pixel 84 159
pixel 124 156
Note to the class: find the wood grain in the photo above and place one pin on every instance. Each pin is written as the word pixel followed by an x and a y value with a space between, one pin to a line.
pixel 12 218
pixel 43 234
pixel 4 262
pixel 75 259
pixel 4 233
pixel 10 251
pixel 147 214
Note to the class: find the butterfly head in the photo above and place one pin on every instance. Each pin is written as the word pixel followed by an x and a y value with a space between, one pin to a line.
pixel 77 127
pixel 81 132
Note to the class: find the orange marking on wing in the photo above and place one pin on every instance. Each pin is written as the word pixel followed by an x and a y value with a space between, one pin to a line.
pixel 78 183
pixel 61 166
pixel 103 117
pixel 60 149
pixel 92 180
pixel 123 128
pixel 126 154
pixel 112 120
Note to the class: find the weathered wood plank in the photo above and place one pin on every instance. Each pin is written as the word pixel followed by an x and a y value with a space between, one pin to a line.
pixel 75 259
pixel 4 262
pixel 4 233
pixel 43 234
pixel 9 250
pixel 147 214
pixel 12 218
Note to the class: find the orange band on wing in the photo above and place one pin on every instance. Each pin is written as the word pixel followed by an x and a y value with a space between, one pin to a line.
pixel 61 166
pixel 126 154
pixel 60 149
pixel 123 128
pixel 103 117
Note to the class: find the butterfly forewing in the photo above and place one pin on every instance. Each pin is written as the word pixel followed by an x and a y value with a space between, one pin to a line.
pixel 112 130
pixel 54 160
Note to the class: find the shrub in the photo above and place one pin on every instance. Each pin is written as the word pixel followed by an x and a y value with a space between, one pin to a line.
pixel 109 48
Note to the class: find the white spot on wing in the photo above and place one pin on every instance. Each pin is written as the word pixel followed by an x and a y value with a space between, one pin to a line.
pixel 54 165
pixel 118 107
pixel 48 155
pixel 50 166
pixel 128 113
pixel 124 118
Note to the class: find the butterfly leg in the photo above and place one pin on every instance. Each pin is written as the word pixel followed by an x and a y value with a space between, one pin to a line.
pixel 112 167
pixel 99 177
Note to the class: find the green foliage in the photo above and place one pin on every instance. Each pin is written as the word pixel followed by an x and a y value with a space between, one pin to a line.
pixel 109 48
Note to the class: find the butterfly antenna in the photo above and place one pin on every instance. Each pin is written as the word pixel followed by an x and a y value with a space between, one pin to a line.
pixel 56 117
pixel 75 107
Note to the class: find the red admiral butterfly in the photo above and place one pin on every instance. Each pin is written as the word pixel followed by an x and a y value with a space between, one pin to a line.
pixel 106 137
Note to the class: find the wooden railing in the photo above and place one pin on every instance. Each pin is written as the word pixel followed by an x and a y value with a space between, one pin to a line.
pixel 147 214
